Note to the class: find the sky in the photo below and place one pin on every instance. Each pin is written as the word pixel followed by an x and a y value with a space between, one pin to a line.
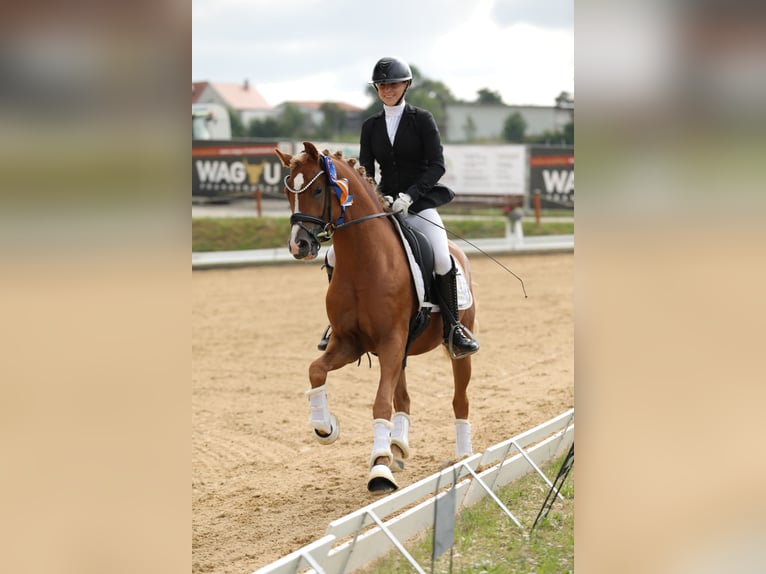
pixel 326 50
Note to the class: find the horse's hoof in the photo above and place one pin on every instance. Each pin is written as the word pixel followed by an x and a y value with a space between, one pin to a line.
pixel 381 480
pixel 397 465
pixel 334 432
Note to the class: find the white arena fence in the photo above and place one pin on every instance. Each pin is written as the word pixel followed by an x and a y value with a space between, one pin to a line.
pixel 372 531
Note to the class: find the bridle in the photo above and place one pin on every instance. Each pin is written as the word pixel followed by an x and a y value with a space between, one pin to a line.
pixel 328 227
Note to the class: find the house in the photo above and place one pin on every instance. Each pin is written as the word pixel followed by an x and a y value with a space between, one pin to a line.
pixel 242 98
pixel 315 114
pixel 467 122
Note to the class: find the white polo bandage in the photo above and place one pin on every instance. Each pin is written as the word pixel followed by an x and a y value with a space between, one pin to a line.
pixel 400 433
pixel 463 445
pixel 320 411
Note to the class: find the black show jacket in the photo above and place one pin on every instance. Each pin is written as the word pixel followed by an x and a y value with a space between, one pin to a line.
pixel 415 162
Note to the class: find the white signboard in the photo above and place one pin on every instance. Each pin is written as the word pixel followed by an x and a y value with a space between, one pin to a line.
pixel 471 169
pixel 485 169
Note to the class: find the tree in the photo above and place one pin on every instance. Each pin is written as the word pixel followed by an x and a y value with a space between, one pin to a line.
pixel 265 128
pixel 514 128
pixel 564 100
pixel 470 129
pixel 238 129
pixel 292 121
pixel 569 133
pixel 332 122
pixel 487 96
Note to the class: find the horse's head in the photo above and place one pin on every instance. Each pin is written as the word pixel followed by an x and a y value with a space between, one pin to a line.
pixel 318 199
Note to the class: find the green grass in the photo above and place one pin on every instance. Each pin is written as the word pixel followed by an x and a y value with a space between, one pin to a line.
pixel 488 542
pixel 239 233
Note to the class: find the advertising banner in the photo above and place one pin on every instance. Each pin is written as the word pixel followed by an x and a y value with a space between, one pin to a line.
pixel 228 169
pixel 496 170
pixel 551 174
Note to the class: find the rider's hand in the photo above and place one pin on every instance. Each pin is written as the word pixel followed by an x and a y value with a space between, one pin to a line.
pixel 402 204
pixel 389 200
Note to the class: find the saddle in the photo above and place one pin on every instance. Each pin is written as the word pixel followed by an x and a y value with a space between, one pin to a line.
pixel 423 254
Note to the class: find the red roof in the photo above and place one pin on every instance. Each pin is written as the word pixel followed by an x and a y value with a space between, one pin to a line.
pixel 241 96
pixel 316 105
pixel 197 89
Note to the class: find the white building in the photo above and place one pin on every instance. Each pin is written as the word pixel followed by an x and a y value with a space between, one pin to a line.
pixel 469 122
pixel 243 98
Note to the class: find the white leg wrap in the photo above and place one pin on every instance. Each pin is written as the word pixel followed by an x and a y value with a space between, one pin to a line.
pixel 462 438
pixel 381 445
pixel 400 434
pixel 320 417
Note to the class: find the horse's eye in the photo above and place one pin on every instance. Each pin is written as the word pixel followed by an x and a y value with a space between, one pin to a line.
pixel 317 191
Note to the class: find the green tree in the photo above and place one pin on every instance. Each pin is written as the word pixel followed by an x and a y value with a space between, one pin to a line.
pixel 569 133
pixel 514 128
pixel 332 122
pixel 470 129
pixel 238 128
pixel 292 121
pixel 487 96
pixel 265 128
pixel 564 100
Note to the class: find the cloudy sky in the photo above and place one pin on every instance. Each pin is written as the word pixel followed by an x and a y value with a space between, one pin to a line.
pixel 325 50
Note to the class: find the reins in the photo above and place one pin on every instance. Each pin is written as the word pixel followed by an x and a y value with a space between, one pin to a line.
pixel 329 228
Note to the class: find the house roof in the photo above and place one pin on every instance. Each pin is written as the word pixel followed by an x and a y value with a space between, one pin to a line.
pixel 242 96
pixel 197 89
pixel 316 105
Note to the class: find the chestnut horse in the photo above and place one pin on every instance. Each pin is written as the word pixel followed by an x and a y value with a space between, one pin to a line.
pixel 370 302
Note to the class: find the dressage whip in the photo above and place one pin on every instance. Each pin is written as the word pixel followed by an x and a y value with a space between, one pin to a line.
pixel 480 250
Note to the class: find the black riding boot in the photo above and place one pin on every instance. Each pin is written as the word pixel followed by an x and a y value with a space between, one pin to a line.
pixel 458 339
pixel 326 335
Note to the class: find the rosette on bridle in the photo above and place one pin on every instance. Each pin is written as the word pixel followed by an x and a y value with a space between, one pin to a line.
pixel 339 186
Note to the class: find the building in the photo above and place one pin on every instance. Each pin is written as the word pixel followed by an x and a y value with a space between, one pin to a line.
pixel 242 98
pixel 315 114
pixel 470 122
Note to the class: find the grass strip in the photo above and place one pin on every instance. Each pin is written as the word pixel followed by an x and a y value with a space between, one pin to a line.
pixel 243 233
pixel 488 542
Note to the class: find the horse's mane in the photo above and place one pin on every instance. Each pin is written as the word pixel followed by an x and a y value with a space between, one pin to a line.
pixel 361 174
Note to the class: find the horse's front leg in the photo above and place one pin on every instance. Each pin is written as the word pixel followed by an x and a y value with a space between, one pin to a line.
pixel 325 424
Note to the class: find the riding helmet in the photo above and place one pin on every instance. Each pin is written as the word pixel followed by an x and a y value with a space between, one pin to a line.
pixel 389 70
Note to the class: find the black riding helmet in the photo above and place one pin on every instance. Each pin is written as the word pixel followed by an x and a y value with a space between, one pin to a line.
pixel 389 70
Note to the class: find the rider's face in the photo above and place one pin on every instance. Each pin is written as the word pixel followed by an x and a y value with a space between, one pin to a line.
pixel 390 93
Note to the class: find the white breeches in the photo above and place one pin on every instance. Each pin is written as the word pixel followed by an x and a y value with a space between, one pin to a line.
pixel 428 222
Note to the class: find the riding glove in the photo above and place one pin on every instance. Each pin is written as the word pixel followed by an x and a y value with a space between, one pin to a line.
pixel 402 203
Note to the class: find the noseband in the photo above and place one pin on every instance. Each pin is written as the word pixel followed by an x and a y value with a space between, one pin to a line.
pixel 300 219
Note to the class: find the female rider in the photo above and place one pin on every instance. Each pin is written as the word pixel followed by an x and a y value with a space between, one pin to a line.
pixel 405 142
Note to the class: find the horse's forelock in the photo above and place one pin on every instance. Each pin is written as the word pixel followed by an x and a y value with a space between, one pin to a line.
pixel 296 161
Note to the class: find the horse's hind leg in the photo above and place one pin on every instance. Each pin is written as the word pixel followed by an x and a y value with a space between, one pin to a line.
pixel 400 433
pixel 461 374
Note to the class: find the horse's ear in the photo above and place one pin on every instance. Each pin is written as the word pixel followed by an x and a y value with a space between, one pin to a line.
pixel 311 150
pixel 284 157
